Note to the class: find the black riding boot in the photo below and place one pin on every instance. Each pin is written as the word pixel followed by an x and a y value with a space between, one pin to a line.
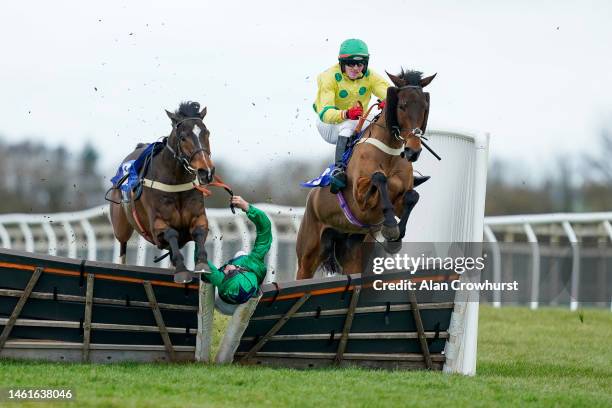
pixel 418 180
pixel 338 181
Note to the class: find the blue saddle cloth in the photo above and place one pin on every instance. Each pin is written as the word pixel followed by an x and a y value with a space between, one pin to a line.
pixel 325 178
pixel 132 168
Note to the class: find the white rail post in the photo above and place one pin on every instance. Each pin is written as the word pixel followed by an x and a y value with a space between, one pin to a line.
pixel 6 238
pixel 51 238
pixel 141 252
pixel 496 263
pixel 535 265
pixel 571 236
pixel 273 254
pixel 90 236
pixel 27 236
pixel 70 239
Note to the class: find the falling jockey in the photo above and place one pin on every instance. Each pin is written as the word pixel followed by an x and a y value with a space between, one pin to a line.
pixel 238 279
pixel 344 93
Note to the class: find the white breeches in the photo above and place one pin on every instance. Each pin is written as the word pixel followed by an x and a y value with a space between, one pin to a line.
pixel 330 131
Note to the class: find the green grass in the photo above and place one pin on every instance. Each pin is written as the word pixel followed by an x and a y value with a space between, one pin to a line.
pixel 546 357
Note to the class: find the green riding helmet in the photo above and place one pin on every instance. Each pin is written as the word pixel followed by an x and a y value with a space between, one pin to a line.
pixel 353 49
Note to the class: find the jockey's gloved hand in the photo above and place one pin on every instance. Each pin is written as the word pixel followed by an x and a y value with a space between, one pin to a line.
pixel 381 104
pixel 354 113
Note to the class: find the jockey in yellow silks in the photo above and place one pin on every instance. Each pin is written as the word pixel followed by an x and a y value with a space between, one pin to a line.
pixel 344 93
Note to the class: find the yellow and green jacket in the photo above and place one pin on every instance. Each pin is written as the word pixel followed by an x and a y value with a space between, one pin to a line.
pixel 337 92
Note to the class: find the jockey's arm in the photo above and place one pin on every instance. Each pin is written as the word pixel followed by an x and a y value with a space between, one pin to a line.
pixel 379 85
pixel 326 101
pixel 263 228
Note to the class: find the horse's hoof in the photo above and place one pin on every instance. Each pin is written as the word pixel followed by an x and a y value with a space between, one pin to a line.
pixel 182 277
pixel 393 247
pixel 390 233
pixel 202 267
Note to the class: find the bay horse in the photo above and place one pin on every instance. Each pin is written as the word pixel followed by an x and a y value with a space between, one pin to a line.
pixel 170 211
pixel 380 185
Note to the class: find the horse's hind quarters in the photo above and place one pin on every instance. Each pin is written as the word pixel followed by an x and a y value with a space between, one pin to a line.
pixel 182 277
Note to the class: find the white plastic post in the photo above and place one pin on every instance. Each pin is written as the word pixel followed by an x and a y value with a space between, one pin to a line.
pixel 235 329
pixel 141 252
pixel 90 236
pixel 6 238
pixel 535 265
pixel 496 263
pixel 27 236
pixel 70 239
pixel 51 238
pixel 571 236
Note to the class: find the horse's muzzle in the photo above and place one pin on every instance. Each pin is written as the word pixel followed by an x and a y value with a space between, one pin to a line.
pixel 412 155
pixel 206 176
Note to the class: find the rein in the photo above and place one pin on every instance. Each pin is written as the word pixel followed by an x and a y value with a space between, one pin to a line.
pixel 395 132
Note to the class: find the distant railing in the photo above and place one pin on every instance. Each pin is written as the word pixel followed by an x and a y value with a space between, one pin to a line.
pixel 588 235
pixel 88 234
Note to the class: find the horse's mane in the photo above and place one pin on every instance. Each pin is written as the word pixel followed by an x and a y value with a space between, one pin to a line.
pixel 411 77
pixel 188 109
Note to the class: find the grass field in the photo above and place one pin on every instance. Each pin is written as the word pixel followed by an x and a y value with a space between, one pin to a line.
pixel 547 357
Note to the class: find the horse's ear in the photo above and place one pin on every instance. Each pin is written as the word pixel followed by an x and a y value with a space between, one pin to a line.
pixel 397 81
pixel 203 113
pixel 172 117
pixel 427 81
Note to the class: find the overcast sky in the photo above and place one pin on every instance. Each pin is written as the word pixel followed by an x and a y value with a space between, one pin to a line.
pixel 536 75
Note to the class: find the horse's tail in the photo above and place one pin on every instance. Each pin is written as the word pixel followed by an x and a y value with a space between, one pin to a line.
pixel 337 248
pixel 329 251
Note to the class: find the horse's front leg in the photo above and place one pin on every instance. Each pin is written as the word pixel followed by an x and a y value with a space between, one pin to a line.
pixel 171 236
pixel 390 229
pixel 199 232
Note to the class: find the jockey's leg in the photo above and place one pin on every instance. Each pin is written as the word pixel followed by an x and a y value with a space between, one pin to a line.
pixel 346 130
pixel 418 180
pixel 181 274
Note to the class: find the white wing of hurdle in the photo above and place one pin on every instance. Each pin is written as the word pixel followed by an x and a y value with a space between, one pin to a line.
pixel 451 209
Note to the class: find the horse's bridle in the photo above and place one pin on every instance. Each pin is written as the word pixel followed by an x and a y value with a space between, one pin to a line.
pixel 396 131
pixel 180 155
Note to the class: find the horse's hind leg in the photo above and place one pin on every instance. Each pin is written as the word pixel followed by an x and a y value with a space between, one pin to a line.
pixel 352 253
pixel 121 226
pixel 308 245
